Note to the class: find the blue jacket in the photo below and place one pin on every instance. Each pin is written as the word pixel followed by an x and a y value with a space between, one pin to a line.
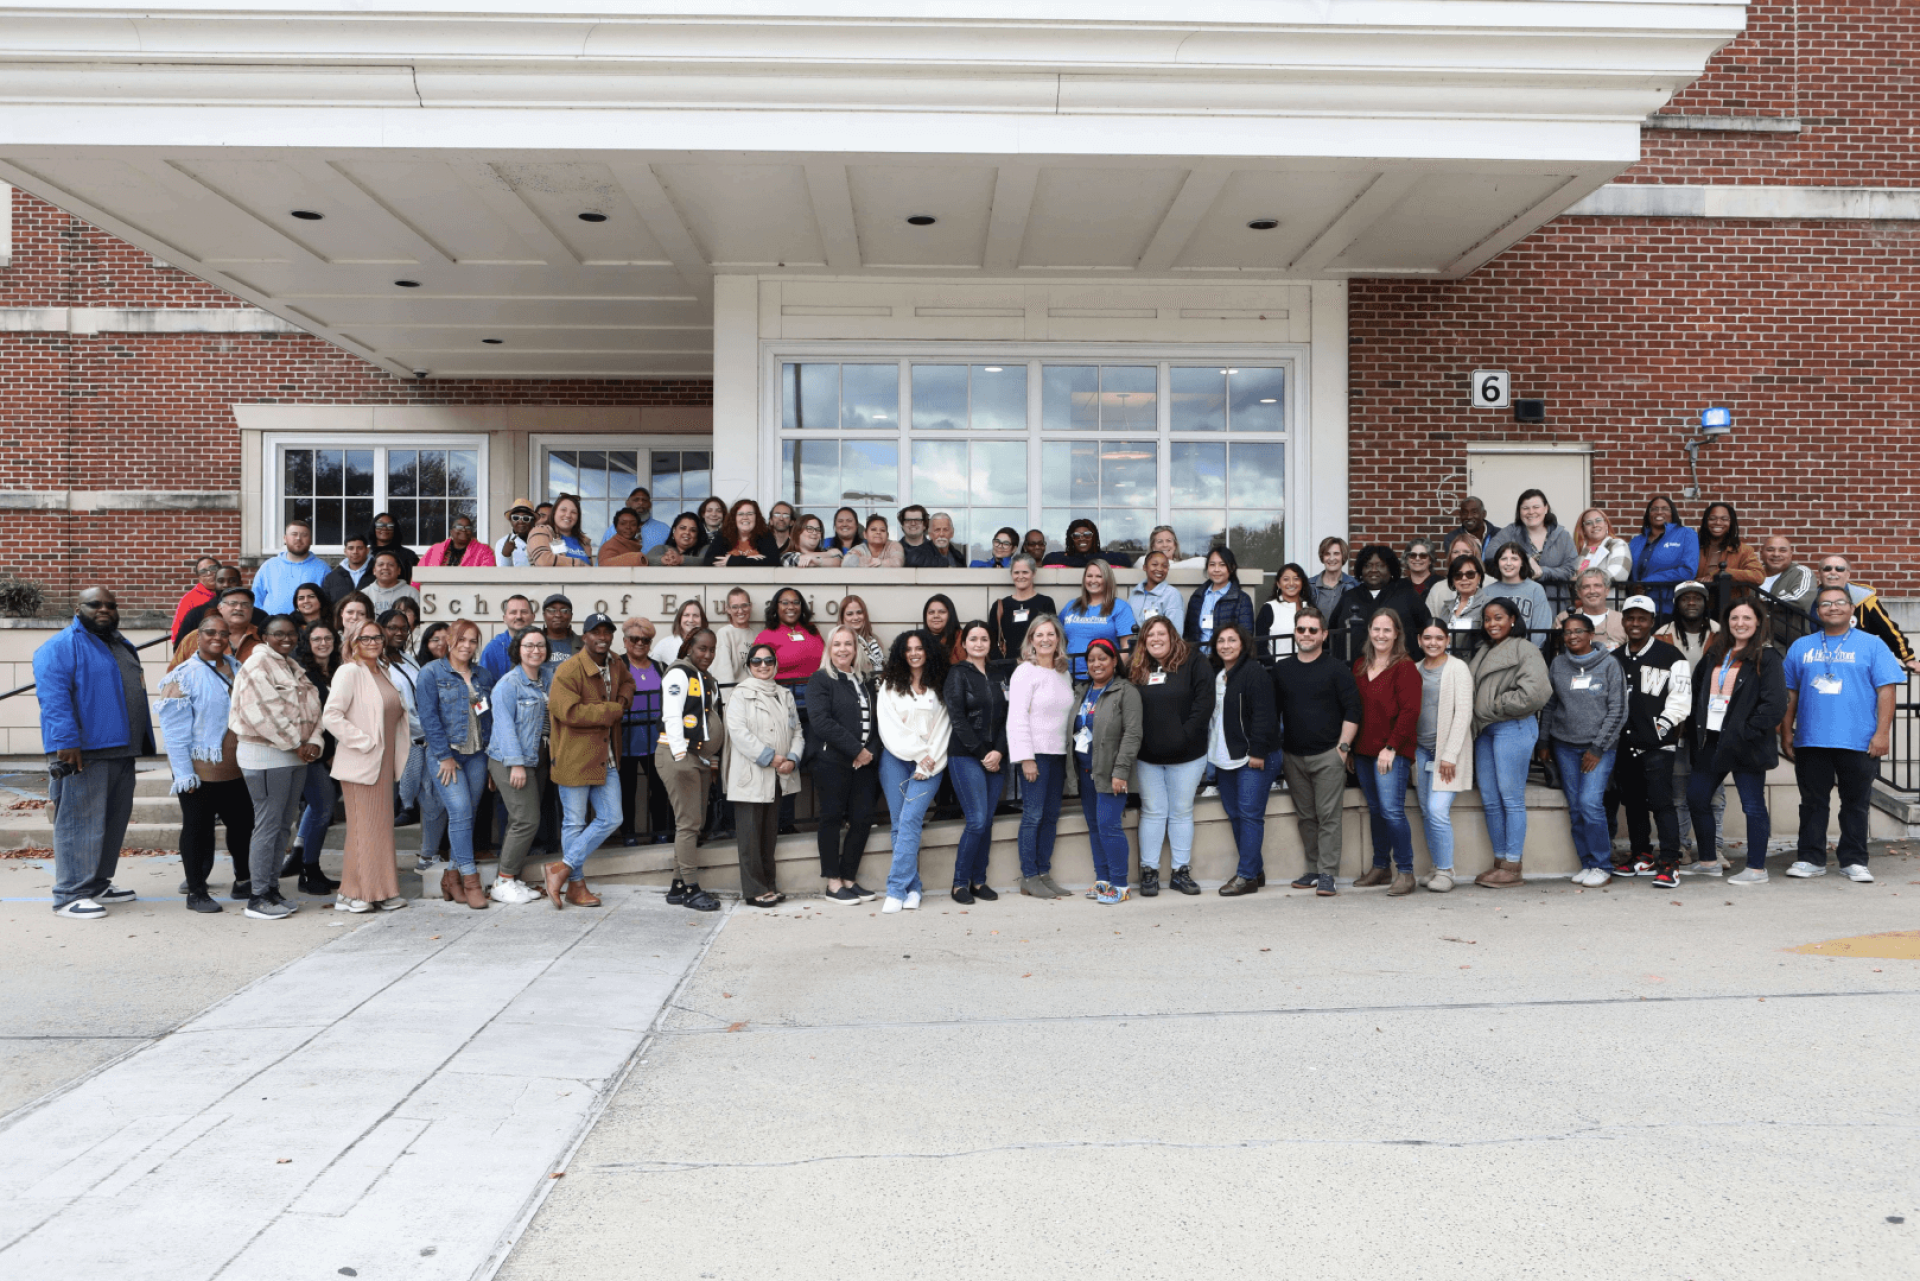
pixel 1675 558
pixel 1234 607
pixel 82 703
pixel 520 719
pixel 494 656
pixel 441 700
pixel 275 582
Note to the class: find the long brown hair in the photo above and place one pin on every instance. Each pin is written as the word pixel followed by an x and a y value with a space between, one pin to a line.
pixel 1112 596
pixel 1398 654
pixel 865 632
pixel 729 535
pixel 1724 640
pixel 1144 664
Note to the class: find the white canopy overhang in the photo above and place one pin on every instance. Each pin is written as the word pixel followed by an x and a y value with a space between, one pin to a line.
pixel 457 144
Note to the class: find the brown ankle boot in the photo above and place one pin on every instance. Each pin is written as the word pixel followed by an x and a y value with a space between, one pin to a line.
pixel 556 882
pixel 579 895
pixel 1499 865
pixel 1503 877
pixel 471 893
pixel 1371 877
pixel 1402 884
pixel 450 886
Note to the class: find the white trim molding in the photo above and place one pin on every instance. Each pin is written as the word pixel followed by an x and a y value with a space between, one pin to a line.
pixel 1796 204
pixel 1725 124
pixel 142 320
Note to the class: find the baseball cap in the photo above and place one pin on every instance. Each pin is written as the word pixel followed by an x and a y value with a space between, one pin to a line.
pixel 557 598
pixel 597 620
pixel 1690 586
pixel 1639 602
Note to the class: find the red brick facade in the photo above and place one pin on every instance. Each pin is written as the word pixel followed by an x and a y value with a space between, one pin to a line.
pixel 1629 327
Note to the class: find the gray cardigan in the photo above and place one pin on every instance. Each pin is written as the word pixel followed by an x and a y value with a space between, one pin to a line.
pixel 1591 717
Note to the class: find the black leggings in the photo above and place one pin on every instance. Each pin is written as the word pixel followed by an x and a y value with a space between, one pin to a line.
pixel 845 795
pixel 229 803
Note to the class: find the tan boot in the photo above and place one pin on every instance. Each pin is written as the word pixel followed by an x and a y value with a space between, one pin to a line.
pixel 1402 884
pixel 579 895
pixel 1503 877
pixel 450 886
pixel 1371 877
pixel 556 883
pixel 471 893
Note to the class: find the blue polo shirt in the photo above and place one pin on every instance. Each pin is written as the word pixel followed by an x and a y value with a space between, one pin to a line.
pixel 1083 627
pixel 1837 680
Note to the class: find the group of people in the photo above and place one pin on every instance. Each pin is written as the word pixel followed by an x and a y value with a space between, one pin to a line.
pixel 1376 670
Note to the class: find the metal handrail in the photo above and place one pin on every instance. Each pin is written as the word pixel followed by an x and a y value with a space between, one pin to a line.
pixel 29 686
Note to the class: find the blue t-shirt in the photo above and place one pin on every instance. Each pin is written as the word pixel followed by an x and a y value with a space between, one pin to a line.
pixel 1083 721
pixel 1837 680
pixel 1084 628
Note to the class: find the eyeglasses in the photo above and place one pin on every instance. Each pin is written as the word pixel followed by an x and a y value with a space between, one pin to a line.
pixel 636 639
pixel 1003 542
pixel 383 524
pixel 1419 555
pixel 913 520
pixel 762 661
pixel 1834 602
pixel 370 640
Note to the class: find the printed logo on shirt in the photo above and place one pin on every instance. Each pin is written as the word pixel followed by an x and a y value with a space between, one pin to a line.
pixel 1824 655
pixel 691 722
pixel 1654 680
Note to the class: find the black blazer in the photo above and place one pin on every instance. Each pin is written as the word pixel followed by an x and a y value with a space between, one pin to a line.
pixel 977 710
pixel 1749 736
pixel 1247 719
pixel 1234 607
pixel 1355 611
pixel 833 719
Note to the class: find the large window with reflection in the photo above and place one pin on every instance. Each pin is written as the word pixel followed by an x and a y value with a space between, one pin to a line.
pixel 338 482
pixel 1027 440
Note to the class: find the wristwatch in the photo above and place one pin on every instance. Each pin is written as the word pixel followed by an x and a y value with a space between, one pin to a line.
pixel 1343 748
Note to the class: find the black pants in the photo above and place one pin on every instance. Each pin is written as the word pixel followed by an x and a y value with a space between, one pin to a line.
pixel 644 807
pixel 846 796
pixel 1645 783
pixel 1817 770
pixel 757 834
pixel 229 803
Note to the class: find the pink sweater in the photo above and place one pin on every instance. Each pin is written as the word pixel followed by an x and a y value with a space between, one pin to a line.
pixel 1037 703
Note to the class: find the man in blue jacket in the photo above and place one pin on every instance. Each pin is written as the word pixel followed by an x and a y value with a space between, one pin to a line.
pixel 95 723
pixel 275 582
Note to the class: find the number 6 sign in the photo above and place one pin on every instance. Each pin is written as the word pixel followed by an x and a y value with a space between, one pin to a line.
pixel 1491 389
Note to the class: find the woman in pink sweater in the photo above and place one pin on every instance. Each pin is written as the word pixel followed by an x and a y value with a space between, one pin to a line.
pixel 1037 703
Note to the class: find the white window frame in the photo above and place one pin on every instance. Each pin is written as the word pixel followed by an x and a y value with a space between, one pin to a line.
pixel 1295 357
pixel 274 508
pixel 539 443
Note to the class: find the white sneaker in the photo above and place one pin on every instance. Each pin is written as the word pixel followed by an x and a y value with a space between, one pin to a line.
pixel 511 889
pixel 1705 867
pixel 1856 872
pixel 1802 869
pixel 393 904
pixel 913 900
pixel 354 905
pixel 1584 876
pixel 114 894
pixel 1441 881
pixel 1751 876
pixel 82 909
pixel 891 905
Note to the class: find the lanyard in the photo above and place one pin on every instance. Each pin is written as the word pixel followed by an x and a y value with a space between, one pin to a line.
pixel 1088 704
pixel 1722 681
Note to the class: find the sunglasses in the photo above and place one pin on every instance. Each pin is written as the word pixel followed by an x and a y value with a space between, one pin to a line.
pixel 636 639
pixel 1833 569
pixel 1306 631
pixel 762 662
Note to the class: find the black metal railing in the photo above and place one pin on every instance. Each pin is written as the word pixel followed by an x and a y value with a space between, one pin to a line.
pixel 28 688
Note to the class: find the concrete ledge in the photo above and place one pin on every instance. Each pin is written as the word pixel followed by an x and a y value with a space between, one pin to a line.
pixel 1792 204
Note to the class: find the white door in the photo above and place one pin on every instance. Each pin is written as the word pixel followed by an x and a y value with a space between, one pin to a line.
pixel 1497 474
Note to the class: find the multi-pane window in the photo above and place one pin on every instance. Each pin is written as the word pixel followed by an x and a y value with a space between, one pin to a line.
pixel 340 486
pixel 681 478
pixel 600 478
pixel 1021 442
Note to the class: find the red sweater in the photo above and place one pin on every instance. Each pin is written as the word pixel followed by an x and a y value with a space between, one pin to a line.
pixel 1389 709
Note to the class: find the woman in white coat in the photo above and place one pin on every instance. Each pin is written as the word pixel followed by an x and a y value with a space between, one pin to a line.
pixel 1443 763
pixel 762 763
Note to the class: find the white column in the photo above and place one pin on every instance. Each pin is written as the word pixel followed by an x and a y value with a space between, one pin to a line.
pixel 1323 487
pixel 736 388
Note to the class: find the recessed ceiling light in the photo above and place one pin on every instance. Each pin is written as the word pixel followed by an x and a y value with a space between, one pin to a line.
pixel 921 220
pixel 593 217
pixel 308 215
pixel 407 284
pixel 494 341
pixel 1264 224
pixel 1270 401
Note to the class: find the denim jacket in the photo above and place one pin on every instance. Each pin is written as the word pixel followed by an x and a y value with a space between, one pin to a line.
pixel 192 708
pixel 519 719
pixel 441 698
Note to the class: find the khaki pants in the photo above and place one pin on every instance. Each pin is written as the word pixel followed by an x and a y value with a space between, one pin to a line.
pixel 523 813
pixel 1318 785
pixel 757 829
pixel 687 782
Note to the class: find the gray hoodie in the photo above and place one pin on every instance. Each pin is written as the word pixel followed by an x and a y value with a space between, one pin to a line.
pixel 1591 714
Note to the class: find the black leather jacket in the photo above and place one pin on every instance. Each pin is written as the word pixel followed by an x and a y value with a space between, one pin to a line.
pixel 977 709
pixel 833 719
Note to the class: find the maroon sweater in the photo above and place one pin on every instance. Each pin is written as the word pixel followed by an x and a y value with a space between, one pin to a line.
pixel 1389 709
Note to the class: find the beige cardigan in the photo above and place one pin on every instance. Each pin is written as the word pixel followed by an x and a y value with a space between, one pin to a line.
pixel 1453 726
pixel 761 720
pixel 353 717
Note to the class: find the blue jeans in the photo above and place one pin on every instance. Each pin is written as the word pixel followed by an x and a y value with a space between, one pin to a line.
pixel 1040 814
pixel 578 837
pixel 1243 795
pixel 979 792
pixel 1500 757
pixel 1103 812
pixel 91 810
pixel 1702 784
pixel 1166 809
pixel 908 800
pixel 1586 804
pixel 318 796
pixel 1387 810
pixel 461 798
pixel 1436 811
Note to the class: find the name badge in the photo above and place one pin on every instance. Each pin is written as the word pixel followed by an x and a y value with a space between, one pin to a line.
pixel 1826 684
pixel 1157 678
pixel 795 636
pixel 1717 709
pixel 1083 740
pixel 1583 681
pixel 480 705
pixel 1206 622
pixel 1019 615
pixel 1429 767
pixel 1148 612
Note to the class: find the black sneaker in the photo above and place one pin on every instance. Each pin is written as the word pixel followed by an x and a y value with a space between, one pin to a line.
pixel 1323 887
pixel 963 895
pixel 276 897
pixel 866 895
pixel 202 903
pixel 185 888
pixel 1183 881
pixel 1149 882
pixel 242 892
pixel 265 909
pixel 986 894
pixel 841 895
pixel 1306 881
pixel 701 901
pixel 1666 877
pixel 677 892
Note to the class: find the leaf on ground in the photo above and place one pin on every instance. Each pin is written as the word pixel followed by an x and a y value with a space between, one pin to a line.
pixel 735 1027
